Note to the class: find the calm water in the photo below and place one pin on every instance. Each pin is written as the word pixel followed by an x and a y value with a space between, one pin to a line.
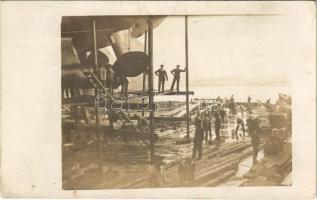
pixel 240 93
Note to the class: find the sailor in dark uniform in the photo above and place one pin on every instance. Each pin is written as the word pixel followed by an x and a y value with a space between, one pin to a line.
pixel 177 74
pixel 161 73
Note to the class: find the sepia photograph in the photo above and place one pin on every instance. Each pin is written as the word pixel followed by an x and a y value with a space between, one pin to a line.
pixel 162 101
pixel 158 99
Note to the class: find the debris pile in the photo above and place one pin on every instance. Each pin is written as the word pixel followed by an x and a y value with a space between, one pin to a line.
pixel 217 164
pixel 272 169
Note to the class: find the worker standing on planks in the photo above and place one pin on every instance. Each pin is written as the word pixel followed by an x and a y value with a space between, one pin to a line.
pixel 207 126
pixel 222 113
pixel 232 105
pixel 253 129
pixel 198 138
pixel 217 125
pixel 249 99
pixel 240 123
pixel 161 73
pixel 177 75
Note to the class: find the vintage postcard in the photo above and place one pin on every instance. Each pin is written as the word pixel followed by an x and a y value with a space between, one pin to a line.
pixel 159 100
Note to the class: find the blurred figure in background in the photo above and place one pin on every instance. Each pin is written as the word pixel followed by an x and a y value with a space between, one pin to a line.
pixel 240 123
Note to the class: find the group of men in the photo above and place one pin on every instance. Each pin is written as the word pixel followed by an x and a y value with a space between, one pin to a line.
pixel 253 130
pixel 203 130
pixel 162 75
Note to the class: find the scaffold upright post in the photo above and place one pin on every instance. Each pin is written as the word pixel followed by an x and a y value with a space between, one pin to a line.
pixel 150 79
pixel 187 76
pixel 94 35
pixel 144 74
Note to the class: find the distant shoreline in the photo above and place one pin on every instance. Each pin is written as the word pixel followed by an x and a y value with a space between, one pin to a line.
pixel 243 85
pixel 240 92
pixel 274 81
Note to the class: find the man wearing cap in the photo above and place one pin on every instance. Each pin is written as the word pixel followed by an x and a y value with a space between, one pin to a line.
pixel 161 73
pixel 176 72
pixel 253 128
pixel 198 138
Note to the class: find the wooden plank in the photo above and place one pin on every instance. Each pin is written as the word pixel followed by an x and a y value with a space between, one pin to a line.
pixel 214 172
pixel 108 132
pixel 166 92
pixel 220 179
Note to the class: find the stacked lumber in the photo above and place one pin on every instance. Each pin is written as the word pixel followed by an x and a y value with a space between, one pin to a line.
pixel 125 180
pixel 220 165
pixel 272 169
pixel 219 162
pixel 219 179
pixel 217 165
pixel 181 111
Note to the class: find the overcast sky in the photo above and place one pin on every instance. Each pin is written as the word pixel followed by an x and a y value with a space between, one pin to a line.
pixel 227 46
